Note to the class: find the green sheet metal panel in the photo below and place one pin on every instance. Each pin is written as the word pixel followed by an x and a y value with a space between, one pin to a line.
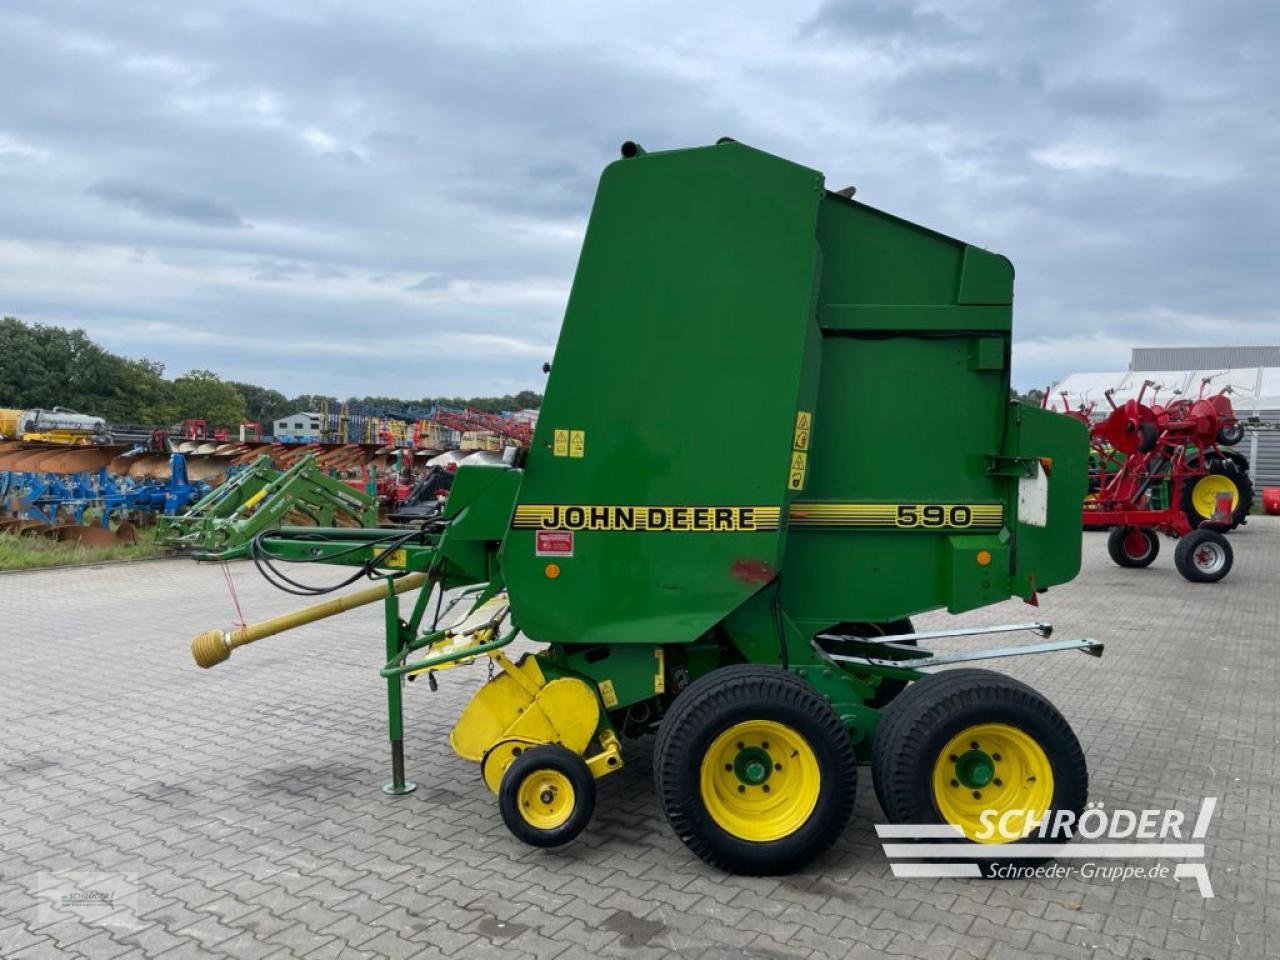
pixel 913 397
pixel 675 385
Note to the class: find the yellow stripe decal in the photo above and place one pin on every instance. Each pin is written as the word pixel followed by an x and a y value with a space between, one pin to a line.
pixel 713 519
pixel 902 516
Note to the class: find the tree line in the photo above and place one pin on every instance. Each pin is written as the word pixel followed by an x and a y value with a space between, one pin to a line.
pixel 47 366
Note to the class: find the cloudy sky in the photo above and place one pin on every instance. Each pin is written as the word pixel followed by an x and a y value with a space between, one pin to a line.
pixel 388 198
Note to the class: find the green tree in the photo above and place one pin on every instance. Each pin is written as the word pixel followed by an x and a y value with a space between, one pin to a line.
pixel 203 395
pixel 262 404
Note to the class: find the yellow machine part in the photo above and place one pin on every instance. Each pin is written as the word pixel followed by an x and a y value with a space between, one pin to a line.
pixel 520 707
pixel 9 423
pixel 475 630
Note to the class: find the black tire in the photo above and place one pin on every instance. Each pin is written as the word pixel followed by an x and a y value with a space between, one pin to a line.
pixel 1229 434
pixel 1147 437
pixel 699 720
pixel 887 689
pixel 1133 546
pixel 556 766
pixel 1219 467
pixel 919 728
pixel 1203 556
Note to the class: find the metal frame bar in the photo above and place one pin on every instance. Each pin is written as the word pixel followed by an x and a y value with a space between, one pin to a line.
pixel 1091 647
pixel 1044 629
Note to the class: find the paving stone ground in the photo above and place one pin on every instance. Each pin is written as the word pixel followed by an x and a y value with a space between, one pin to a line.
pixel 243 801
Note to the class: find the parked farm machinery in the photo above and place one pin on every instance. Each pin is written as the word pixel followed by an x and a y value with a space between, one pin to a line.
pixel 258 498
pixel 56 503
pixel 1166 469
pixel 749 606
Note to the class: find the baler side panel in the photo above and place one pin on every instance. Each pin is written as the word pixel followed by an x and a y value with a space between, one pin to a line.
pixel 912 400
pixel 1049 554
pixel 679 363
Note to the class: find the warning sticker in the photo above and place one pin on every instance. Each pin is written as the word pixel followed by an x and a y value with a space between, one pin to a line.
pixel 553 543
pixel 799 453
pixel 577 442
pixel 804 423
pixel 561 446
pixel 799 466
pixel 608 694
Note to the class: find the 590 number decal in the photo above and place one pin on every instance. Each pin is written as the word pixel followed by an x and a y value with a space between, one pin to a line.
pixel 902 516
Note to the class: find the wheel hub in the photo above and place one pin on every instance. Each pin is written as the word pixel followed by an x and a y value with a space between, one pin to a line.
pixel 753 765
pixel 975 769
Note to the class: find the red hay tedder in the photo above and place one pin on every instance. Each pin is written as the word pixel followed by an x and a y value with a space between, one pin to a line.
pixel 1163 468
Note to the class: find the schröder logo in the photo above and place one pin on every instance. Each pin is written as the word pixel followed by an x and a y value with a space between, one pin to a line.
pixel 1015 843
pixel 1094 823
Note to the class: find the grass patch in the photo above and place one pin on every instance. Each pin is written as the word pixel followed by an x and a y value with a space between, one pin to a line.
pixel 31 553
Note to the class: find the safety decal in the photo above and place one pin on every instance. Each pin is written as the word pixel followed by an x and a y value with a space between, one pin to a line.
pixel 902 516
pixel 536 516
pixel 569 443
pixel 799 469
pixel 607 693
pixel 553 543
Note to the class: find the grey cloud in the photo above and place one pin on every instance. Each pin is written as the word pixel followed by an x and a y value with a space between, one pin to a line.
pixel 1121 158
pixel 1108 98
pixel 430 283
pixel 900 19
pixel 166 204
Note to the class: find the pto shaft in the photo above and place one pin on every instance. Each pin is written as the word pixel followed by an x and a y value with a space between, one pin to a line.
pixel 213 646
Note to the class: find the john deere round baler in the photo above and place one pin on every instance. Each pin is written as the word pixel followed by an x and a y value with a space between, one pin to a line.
pixel 708 539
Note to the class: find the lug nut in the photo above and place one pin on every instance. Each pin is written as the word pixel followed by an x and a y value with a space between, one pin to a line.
pixel 998 782
pixel 955 783
pixel 995 757
pixel 977 795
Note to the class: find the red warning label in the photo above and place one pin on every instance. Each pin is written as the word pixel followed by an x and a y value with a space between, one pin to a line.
pixel 554 543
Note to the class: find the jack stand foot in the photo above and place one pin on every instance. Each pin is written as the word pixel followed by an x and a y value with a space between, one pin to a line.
pixel 398 785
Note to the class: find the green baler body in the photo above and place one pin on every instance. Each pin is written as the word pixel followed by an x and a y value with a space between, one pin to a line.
pixel 729 314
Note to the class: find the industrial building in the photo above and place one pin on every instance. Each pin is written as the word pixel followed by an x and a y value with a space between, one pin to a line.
pixel 301 427
pixel 1251 373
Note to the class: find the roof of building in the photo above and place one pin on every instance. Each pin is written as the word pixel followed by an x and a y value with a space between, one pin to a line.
pixel 1254 390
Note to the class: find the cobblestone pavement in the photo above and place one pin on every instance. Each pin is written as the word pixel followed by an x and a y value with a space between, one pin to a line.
pixel 244 802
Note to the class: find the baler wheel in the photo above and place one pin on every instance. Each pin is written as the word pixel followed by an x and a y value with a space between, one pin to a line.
pixel 755 771
pixel 1200 495
pixel 967 748
pixel 547 796
pixel 1203 556
pixel 1133 546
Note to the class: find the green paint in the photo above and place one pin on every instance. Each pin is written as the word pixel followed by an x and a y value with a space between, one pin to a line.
pixel 974 769
pixel 753 765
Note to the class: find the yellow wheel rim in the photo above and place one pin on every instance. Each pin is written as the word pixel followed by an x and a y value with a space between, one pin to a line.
pixel 545 799
pixel 1204 495
pixel 995 770
pixel 760 780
